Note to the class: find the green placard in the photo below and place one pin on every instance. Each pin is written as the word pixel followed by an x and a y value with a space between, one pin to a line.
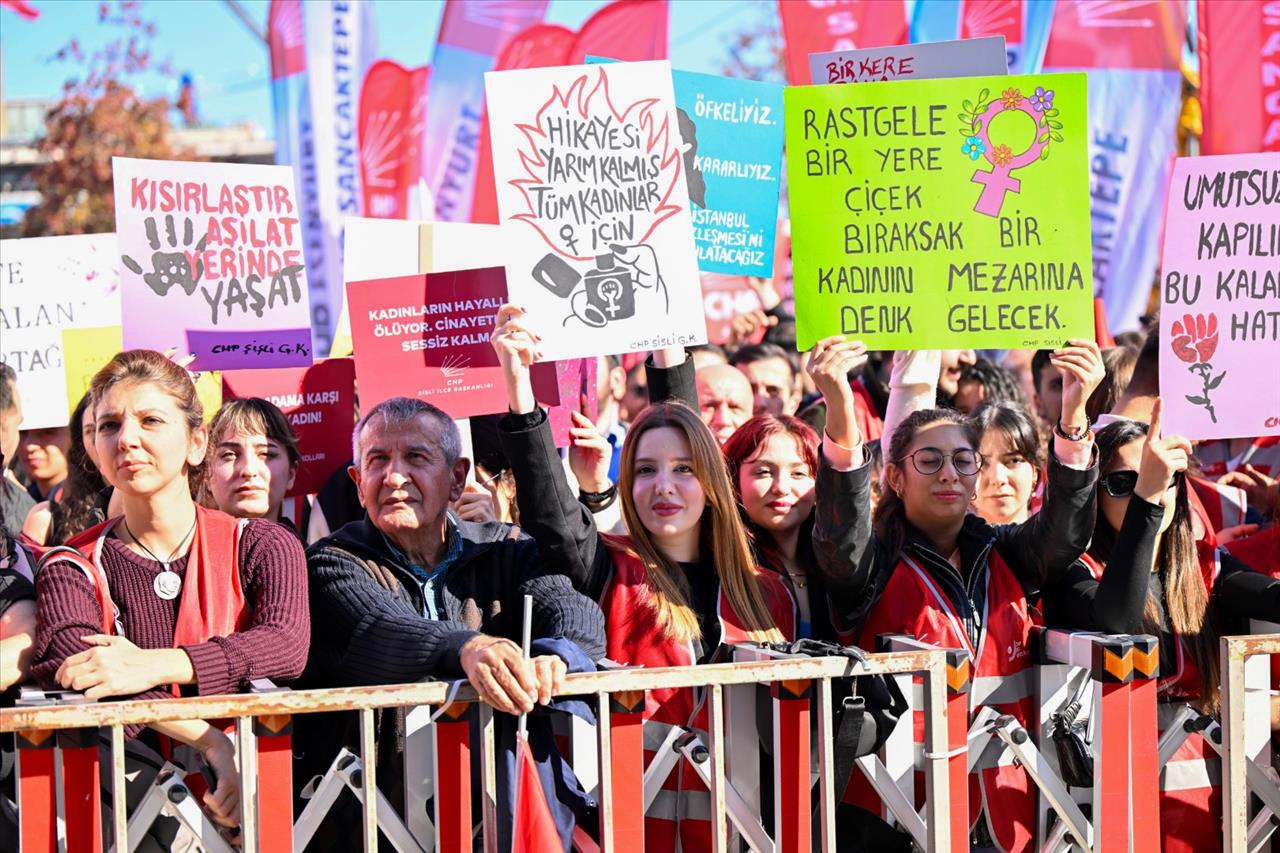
pixel 929 214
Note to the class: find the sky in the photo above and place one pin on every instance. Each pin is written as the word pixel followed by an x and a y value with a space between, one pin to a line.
pixel 229 64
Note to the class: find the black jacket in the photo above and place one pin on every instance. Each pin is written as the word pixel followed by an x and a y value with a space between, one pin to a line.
pixel 856 565
pixel 367 627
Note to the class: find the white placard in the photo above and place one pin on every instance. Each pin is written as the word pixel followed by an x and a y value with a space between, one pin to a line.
pixel 590 175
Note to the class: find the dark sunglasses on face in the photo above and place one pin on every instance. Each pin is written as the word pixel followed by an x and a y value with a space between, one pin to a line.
pixel 929 460
pixel 1120 484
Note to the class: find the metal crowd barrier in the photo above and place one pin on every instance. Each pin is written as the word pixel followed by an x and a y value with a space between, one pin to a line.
pixel 1245 745
pixel 59 773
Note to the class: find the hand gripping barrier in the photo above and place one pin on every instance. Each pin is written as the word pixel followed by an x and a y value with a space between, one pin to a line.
pixel 71 820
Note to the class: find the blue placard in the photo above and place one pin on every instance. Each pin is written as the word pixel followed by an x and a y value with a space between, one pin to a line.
pixel 733 164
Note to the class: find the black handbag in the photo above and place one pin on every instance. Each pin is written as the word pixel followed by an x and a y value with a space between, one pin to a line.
pixel 1067 731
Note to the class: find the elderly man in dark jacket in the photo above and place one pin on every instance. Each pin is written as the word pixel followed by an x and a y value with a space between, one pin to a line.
pixel 412 592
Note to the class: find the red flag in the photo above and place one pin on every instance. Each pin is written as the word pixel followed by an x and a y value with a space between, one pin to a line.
pixel 1101 333
pixel 630 30
pixel 814 26
pixel 285 38
pixel 1239 76
pixel 391 122
pixel 533 829
pixel 22 7
pixel 980 18
pixel 537 46
pixel 1092 34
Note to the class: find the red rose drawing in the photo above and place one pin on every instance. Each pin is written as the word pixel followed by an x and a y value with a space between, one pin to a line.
pixel 1195 331
pixel 1195 340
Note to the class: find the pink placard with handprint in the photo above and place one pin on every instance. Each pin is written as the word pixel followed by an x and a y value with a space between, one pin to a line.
pixel 1220 297
pixel 598 239
pixel 211 263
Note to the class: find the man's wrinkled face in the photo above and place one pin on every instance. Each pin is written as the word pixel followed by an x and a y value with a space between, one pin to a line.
pixel 725 400
pixel 405 482
pixel 773 386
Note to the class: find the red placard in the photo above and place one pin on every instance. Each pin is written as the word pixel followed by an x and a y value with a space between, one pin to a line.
pixel 320 403
pixel 725 297
pixel 427 336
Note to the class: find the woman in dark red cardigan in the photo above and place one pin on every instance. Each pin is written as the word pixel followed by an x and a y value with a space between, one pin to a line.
pixel 170 598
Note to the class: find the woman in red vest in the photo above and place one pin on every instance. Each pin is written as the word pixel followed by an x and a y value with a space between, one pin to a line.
pixel 773 461
pixel 169 598
pixel 679 585
pixel 932 570
pixel 1146 573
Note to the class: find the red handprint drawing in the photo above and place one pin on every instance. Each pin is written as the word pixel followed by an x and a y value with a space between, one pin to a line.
pixel 1195 339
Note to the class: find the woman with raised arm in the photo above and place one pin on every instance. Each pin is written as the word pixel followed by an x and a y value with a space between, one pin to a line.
pixel 169 598
pixel 931 570
pixel 682 582
pixel 253 460
pixel 1146 573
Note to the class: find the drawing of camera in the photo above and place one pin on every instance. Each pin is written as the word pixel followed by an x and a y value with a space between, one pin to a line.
pixel 611 290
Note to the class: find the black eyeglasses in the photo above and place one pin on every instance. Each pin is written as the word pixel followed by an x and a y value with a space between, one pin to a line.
pixel 929 460
pixel 1120 484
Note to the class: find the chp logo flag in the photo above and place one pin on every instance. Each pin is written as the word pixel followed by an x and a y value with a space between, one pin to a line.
pixel 393 106
pixel 320 51
pixel 1239 45
pixel 1132 53
pixel 819 26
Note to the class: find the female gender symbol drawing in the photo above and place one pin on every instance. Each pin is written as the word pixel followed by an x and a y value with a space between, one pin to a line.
pixel 997 183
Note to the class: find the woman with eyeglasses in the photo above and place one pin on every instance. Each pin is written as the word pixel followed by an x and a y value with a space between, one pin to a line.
pixel 928 568
pixel 1146 573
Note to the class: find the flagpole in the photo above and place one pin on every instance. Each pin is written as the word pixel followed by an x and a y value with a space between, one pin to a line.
pixel 526 641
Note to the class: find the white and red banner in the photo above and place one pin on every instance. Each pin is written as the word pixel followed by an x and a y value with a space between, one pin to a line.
pixel 320 51
pixel 472 34
pixel 1239 75
pixel 1132 53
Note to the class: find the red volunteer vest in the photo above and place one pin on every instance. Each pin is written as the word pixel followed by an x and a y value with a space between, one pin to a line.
pixel 1191 782
pixel 632 637
pixel 212 602
pixel 913 604
pixel 1261 552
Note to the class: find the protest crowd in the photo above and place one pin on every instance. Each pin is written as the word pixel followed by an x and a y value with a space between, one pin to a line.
pixel 518 457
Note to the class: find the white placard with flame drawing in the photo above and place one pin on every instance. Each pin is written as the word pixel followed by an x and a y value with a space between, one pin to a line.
pixel 590 175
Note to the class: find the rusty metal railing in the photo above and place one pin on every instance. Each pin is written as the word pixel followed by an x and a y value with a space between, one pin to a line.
pixel 1239 703
pixel 619 698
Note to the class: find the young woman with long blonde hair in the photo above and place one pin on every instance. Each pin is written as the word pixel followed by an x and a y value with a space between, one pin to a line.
pixel 682 581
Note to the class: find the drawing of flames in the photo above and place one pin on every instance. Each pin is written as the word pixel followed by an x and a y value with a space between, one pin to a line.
pixel 656 133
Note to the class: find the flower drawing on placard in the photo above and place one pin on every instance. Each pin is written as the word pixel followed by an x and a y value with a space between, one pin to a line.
pixel 1011 98
pixel 1042 100
pixel 973 147
pixel 1195 340
pixel 1002 155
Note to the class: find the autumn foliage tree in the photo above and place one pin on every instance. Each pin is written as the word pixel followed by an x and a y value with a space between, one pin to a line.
pixel 99 116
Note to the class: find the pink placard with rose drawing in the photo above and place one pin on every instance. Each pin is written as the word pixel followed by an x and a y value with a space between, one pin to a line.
pixel 1220 298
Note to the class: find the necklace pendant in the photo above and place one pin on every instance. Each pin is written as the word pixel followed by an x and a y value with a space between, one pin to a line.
pixel 167 584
